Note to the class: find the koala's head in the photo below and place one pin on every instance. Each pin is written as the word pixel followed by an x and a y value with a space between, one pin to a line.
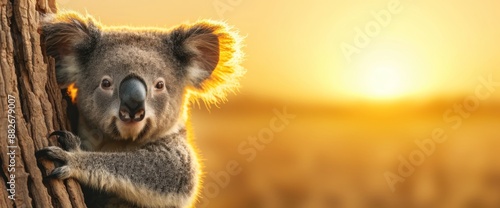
pixel 134 83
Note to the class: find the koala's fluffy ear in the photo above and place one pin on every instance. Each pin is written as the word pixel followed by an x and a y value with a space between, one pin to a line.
pixel 210 53
pixel 68 37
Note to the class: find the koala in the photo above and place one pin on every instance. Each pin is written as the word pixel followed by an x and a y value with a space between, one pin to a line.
pixel 135 86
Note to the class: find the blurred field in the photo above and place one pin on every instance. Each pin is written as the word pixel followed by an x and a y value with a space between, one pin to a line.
pixel 336 156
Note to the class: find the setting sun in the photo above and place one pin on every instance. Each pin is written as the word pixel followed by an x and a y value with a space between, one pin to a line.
pixel 387 73
pixel 384 82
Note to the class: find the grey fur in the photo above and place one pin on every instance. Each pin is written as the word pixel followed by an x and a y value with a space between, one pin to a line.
pixel 152 163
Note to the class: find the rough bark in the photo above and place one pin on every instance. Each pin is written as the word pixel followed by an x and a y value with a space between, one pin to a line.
pixel 28 76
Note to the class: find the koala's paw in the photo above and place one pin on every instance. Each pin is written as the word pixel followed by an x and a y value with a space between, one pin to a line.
pixel 68 140
pixel 58 155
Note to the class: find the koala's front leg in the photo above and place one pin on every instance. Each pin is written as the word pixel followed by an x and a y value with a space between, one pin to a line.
pixel 162 174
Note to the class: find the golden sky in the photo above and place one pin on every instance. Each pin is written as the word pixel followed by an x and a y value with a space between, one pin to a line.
pixel 330 50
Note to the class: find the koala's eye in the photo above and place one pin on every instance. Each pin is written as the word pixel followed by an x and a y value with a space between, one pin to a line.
pixel 160 85
pixel 105 83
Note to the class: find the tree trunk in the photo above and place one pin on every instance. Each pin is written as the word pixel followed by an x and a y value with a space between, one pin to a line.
pixel 32 106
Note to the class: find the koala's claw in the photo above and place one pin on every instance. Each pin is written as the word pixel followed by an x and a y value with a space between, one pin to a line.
pixel 62 172
pixel 53 153
pixel 68 140
pixel 57 155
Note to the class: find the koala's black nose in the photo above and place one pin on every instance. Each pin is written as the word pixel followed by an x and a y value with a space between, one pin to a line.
pixel 132 94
